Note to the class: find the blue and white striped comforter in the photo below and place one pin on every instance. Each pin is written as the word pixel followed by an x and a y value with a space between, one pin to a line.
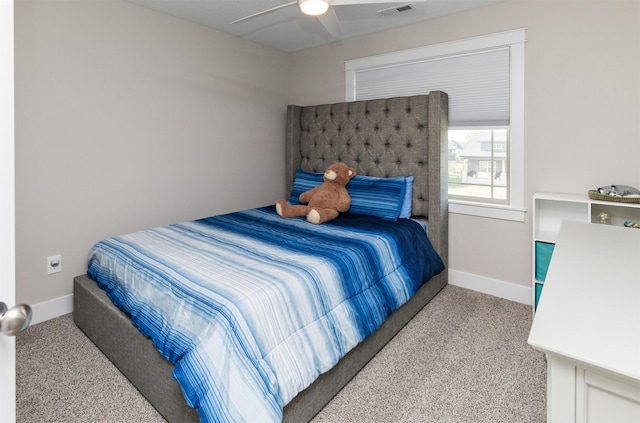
pixel 252 308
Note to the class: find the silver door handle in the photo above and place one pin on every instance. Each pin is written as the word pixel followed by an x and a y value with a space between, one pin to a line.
pixel 15 319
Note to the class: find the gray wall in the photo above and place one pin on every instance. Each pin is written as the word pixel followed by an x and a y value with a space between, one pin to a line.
pixel 582 107
pixel 127 118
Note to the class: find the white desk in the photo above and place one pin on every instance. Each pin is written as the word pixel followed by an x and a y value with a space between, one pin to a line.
pixel 588 324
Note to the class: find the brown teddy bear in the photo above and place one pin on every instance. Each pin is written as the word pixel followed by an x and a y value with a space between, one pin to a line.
pixel 324 202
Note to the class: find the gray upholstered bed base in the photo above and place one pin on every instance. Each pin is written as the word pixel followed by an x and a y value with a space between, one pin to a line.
pixel 391 137
pixel 136 357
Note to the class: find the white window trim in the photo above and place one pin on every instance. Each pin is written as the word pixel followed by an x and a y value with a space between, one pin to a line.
pixel 515 40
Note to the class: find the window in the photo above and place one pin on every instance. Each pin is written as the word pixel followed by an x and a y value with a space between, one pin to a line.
pixel 484 78
pixel 477 168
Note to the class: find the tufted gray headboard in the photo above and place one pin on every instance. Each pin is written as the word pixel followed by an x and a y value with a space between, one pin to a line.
pixel 388 137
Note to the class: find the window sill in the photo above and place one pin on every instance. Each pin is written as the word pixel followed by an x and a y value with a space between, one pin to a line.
pixel 492 211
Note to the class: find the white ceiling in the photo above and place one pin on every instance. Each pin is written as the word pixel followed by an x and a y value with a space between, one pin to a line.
pixel 290 30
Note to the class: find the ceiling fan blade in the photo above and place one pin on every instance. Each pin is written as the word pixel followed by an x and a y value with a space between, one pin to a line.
pixel 349 2
pixel 273 9
pixel 331 23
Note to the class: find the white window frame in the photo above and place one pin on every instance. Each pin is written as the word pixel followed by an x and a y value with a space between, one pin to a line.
pixel 515 41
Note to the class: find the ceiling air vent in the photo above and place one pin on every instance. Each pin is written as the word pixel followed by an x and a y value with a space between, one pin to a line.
pixel 396 9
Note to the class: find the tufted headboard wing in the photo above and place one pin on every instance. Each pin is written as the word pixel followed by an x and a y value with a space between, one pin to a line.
pixel 398 136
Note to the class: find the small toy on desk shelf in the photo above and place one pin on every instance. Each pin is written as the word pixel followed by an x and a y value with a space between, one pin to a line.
pixel 620 191
pixel 630 224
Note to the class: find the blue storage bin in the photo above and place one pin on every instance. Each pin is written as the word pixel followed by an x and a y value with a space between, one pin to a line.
pixel 539 287
pixel 544 251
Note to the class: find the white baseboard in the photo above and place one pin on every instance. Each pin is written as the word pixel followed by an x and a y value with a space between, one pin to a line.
pixel 510 291
pixel 495 287
pixel 50 309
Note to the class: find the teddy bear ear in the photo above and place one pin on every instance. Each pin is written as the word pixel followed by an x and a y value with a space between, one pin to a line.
pixel 352 172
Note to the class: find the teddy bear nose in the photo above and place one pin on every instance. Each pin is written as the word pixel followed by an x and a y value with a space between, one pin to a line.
pixel 330 175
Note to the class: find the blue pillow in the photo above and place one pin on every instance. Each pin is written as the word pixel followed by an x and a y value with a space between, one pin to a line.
pixel 303 182
pixel 387 198
pixel 407 202
pixel 379 197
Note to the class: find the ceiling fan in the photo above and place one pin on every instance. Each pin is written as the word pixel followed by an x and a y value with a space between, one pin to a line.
pixel 323 9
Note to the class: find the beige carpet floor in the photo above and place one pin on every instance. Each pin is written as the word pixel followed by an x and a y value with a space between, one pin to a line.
pixel 463 358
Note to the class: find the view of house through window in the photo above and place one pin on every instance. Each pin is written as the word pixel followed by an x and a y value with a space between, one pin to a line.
pixel 478 160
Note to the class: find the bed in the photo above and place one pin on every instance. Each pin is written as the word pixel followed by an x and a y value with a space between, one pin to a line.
pixel 396 137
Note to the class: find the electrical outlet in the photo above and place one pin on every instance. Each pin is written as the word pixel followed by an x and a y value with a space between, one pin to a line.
pixel 54 264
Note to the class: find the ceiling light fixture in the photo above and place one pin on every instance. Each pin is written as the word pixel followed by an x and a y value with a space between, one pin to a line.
pixel 314 7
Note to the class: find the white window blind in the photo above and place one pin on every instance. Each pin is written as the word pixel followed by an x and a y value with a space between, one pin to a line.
pixel 477 84
pixel 484 79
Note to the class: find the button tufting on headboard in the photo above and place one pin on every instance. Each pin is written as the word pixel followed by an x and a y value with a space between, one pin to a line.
pixel 384 137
